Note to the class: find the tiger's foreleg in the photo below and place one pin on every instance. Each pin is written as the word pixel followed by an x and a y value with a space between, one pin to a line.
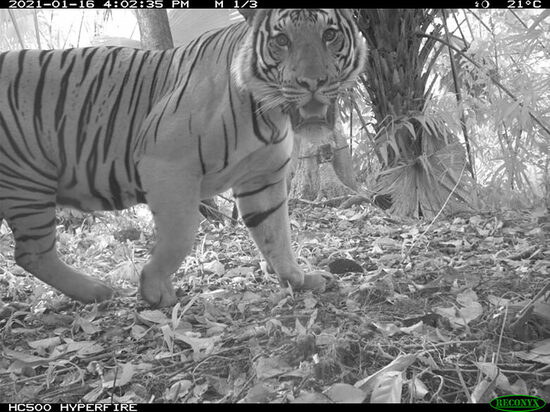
pixel 264 211
pixel 172 193
pixel 33 225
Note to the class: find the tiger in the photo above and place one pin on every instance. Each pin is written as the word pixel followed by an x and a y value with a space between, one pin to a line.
pixel 106 128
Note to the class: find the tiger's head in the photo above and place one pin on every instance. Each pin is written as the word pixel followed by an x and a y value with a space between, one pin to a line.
pixel 299 60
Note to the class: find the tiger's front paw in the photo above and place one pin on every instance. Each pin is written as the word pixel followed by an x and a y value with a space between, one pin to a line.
pixel 99 292
pixel 156 291
pixel 317 281
pixel 84 288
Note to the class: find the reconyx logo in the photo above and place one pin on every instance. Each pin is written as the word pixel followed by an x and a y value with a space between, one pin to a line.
pixel 515 403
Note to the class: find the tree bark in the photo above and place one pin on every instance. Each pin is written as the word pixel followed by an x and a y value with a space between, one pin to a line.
pixel 321 168
pixel 154 29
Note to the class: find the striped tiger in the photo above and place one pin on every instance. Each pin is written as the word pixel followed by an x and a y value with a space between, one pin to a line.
pixel 104 128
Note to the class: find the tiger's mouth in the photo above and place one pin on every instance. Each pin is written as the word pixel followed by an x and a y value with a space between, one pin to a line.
pixel 311 115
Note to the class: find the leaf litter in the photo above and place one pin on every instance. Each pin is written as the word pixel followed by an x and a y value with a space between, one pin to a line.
pixel 427 312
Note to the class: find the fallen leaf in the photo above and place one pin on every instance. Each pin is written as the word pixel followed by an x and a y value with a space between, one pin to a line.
pixel 137 332
pixel 345 393
pixel 250 297
pixel 310 302
pixel 151 317
pixel 45 344
pixel 93 395
pixel 87 326
pixel 387 329
pixel 266 368
pixel 388 387
pixel 416 328
pixel 178 390
pixel 468 310
pixel 119 376
pixel 308 397
pixel 239 271
pixel 493 372
pixel 83 348
pixel 26 357
pixel 418 388
pixel 483 391
pixel 214 267
pixel 399 364
pixel 201 346
pixel 259 393
pixel 539 353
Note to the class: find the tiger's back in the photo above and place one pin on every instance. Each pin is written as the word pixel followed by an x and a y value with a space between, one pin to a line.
pixel 72 104
pixel 105 128
pixel 83 115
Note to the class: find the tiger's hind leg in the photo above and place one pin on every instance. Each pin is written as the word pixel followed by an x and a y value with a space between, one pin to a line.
pixel 173 195
pixel 31 216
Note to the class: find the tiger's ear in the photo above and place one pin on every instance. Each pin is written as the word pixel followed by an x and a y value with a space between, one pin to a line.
pixel 248 14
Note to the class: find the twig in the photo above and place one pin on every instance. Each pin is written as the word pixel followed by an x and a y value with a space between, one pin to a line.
pixel 464 387
pixel 526 311
pixel 502 331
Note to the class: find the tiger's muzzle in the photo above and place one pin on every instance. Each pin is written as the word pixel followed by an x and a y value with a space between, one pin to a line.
pixel 314 114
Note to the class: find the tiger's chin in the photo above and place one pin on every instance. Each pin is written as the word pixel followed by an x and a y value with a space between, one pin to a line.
pixel 313 118
pixel 312 130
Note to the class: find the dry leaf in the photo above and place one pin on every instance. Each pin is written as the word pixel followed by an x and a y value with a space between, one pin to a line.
pixel 388 387
pixel 259 393
pixel 87 326
pixel 214 267
pixel 483 392
pixel 120 376
pixel 137 332
pixel 345 393
pixel 418 388
pixel 307 397
pixel 178 390
pixel 400 364
pixel 266 368
pixel 151 317
pixel 539 353
pixel 45 344
pixel 201 346
pixel 468 310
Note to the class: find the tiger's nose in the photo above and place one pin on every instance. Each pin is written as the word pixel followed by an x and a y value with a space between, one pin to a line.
pixel 311 84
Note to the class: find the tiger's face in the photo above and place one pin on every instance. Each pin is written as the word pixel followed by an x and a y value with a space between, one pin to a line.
pixel 299 60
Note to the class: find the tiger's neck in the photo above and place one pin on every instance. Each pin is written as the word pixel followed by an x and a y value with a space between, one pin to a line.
pixel 230 128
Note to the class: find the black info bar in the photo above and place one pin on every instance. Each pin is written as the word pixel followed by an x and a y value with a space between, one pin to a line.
pixel 268 4
pixel 71 407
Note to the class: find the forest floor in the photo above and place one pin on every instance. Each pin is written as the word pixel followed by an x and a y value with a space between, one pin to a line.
pixel 428 312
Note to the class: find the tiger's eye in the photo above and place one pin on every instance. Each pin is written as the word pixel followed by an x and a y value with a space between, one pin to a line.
pixel 282 40
pixel 329 35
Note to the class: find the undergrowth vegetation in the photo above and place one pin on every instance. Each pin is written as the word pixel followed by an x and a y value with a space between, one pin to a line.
pixel 449 311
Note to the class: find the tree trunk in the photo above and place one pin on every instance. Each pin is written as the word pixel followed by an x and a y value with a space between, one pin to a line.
pixel 154 29
pixel 304 177
pixel 321 168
